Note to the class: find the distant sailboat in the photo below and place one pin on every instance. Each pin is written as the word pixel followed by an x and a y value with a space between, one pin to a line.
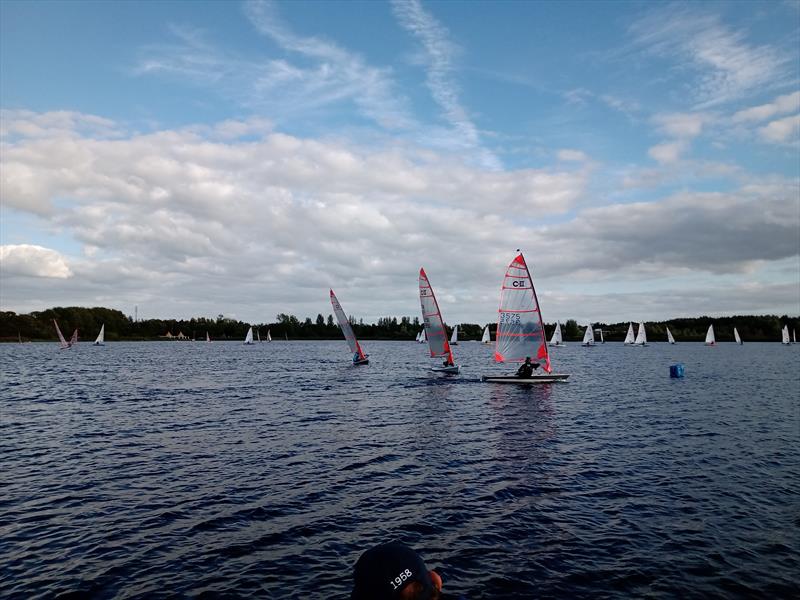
pixel 258 336
pixel 794 337
pixel 434 327
pixel 670 339
pixel 416 339
pixel 454 337
pixel 629 337
pixel 600 331
pixel 785 335
pixel 248 340
pixel 736 337
pixel 208 337
pixel 588 336
pixel 641 336
pixel 101 337
pixel 359 358
pixel 19 336
pixel 710 339
pixel 269 336
pixel 520 329
pixel 557 340
pixel 487 337
pixel 64 343
pixel 423 338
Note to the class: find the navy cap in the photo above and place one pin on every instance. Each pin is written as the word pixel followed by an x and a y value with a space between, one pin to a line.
pixel 383 571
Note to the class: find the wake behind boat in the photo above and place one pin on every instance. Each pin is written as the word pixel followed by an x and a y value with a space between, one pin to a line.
pixel 434 327
pixel 359 358
pixel 520 329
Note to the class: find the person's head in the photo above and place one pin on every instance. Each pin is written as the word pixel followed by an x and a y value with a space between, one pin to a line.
pixel 393 571
pixel 527 360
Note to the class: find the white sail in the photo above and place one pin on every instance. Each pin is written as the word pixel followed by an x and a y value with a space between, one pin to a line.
pixel 629 336
pixel 710 340
pixel 249 339
pixel 269 336
pixel 557 339
pixel 785 335
pixel 423 337
pixel 602 339
pixel 74 339
pixel 588 336
pixel 641 336
pixel 258 336
pixel 101 337
pixel 670 339
pixel 736 337
pixel 487 337
pixel 208 337
pixel 794 337
pixel 454 337
pixel 347 330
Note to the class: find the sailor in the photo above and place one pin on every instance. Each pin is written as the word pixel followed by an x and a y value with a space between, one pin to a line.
pixel 356 357
pixel 527 368
pixel 448 362
pixel 393 571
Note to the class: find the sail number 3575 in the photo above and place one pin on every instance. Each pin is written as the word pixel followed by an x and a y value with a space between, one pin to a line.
pixel 509 318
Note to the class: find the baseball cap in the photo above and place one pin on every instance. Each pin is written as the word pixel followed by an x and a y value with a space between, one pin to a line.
pixel 382 572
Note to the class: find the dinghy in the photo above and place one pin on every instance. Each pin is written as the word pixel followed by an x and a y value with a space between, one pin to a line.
pixel 258 336
pixel 641 336
pixel 434 327
pixel 600 331
pixel 269 336
pixel 454 337
pixel 588 337
pixel 487 337
pixel 736 337
pixel 359 358
pixel 785 335
pixel 248 340
pixel 423 338
pixel 208 337
pixel 65 345
pixel 101 337
pixel 629 337
pixel 557 341
pixel 520 330
pixel 670 339
pixel 710 340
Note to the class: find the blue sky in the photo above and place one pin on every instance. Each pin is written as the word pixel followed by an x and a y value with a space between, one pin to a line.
pixel 645 156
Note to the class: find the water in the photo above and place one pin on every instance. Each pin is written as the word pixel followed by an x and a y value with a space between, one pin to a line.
pixel 191 469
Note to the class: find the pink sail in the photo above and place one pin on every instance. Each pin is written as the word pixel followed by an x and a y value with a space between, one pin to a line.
pixel 520 330
pixel 61 339
pixel 432 318
pixel 346 328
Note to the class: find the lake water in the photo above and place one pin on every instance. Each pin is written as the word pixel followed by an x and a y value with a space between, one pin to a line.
pixel 205 470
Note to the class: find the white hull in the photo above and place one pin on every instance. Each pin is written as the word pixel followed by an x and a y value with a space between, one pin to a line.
pixel 551 378
pixel 557 345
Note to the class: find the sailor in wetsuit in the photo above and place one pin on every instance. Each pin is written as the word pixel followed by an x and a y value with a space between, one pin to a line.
pixel 527 368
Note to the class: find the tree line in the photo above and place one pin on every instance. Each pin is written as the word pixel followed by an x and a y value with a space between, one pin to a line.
pixel 38 326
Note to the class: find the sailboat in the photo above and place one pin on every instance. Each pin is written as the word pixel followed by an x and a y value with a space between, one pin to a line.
pixel 422 338
pixel 101 337
pixel 600 331
pixel 64 343
pixel 434 327
pixel 269 336
pixel 785 335
pixel 736 337
pixel 794 337
pixel 557 341
pixel 588 337
pixel 359 358
pixel 710 340
pixel 454 337
pixel 520 330
pixel 208 337
pixel 641 336
pixel 487 337
pixel 19 337
pixel 248 340
pixel 670 339
pixel 629 337
pixel 258 336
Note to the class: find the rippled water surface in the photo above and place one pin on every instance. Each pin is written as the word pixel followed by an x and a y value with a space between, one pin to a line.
pixel 189 469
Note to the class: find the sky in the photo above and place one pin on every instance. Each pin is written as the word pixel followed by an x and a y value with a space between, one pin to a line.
pixel 205 158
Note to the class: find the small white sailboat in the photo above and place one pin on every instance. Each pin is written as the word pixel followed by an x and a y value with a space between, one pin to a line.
pixel 208 337
pixel 248 340
pixel 258 336
pixel 487 337
pixel 600 331
pixel 670 339
pixel 588 336
pixel 64 343
pixel 359 358
pixel 101 337
pixel 557 341
pixel 520 329
pixel 641 336
pixel 785 335
pixel 422 338
pixel 434 327
pixel 710 339
pixel 454 337
pixel 629 337
pixel 736 337
pixel 794 337
pixel 269 336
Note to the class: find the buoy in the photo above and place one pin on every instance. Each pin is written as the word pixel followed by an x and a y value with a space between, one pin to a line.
pixel 676 370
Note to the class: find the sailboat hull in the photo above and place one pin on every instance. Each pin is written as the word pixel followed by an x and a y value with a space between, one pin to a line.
pixel 363 361
pixel 549 378
pixel 447 370
pixel 557 345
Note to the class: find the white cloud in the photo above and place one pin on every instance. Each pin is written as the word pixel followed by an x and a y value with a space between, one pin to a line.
pixel 567 154
pixel 781 105
pixel 681 125
pixel 668 152
pixel 33 261
pixel 727 66
pixel 781 130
